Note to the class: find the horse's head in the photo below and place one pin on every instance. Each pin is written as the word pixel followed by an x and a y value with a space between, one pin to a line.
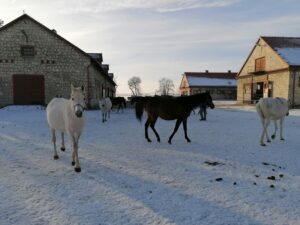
pixel 102 103
pixel 208 100
pixel 77 100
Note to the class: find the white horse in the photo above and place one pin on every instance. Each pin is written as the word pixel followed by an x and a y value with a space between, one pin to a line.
pixel 67 115
pixel 105 106
pixel 271 109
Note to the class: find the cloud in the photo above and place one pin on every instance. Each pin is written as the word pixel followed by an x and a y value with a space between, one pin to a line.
pixel 96 6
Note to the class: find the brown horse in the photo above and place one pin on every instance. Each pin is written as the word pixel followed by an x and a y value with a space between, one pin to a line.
pixel 120 102
pixel 169 108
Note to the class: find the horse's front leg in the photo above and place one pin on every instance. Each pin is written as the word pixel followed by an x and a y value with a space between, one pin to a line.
pixel 54 144
pixel 62 142
pixel 103 115
pixel 75 159
pixel 281 129
pixel 266 130
pixel 185 130
pixel 178 122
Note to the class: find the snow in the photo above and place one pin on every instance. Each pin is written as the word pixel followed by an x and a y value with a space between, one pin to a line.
pixel 290 55
pixel 126 180
pixel 203 81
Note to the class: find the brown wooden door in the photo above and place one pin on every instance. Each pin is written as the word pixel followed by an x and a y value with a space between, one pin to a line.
pixel 29 89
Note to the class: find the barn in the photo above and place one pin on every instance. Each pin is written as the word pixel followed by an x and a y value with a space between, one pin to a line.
pixel 221 85
pixel 37 64
pixel 272 69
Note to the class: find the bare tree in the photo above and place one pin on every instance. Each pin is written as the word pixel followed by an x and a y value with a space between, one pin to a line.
pixel 134 85
pixel 1 23
pixel 166 86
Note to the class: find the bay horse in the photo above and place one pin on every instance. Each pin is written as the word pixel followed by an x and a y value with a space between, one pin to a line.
pixel 67 116
pixel 271 109
pixel 169 108
pixel 119 101
pixel 105 107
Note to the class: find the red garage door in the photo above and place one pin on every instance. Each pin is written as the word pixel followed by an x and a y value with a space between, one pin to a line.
pixel 29 89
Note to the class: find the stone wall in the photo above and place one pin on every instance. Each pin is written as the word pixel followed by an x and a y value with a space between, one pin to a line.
pixel 58 61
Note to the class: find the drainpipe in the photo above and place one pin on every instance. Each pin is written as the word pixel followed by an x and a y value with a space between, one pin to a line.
pixel 294 85
pixel 88 85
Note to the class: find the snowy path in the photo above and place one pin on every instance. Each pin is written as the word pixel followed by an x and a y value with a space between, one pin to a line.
pixel 125 180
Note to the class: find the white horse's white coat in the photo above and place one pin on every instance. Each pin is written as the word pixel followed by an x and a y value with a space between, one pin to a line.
pixel 105 107
pixel 271 109
pixel 67 116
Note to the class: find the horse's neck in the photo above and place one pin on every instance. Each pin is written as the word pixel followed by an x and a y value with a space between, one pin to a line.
pixel 193 101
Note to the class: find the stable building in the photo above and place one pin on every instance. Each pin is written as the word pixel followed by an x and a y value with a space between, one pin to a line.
pixel 221 85
pixel 272 69
pixel 37 64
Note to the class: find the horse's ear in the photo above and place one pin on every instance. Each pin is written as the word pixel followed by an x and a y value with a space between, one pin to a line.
pixel 82 88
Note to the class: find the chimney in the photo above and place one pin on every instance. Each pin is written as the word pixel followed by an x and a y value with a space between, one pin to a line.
pixel 229 71
pixel 206 71
pixel 54 31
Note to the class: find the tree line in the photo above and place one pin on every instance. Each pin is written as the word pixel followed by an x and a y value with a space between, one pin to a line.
pixel 166 86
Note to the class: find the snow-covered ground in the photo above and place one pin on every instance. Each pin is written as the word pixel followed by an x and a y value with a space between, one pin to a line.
pixel 125 180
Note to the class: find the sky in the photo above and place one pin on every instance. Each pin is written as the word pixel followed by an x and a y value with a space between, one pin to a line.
pixel 162 38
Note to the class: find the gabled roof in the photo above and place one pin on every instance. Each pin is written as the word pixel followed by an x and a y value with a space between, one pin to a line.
pixel 214 75
pixel 205 79
pixel 288 48
pixel 92 57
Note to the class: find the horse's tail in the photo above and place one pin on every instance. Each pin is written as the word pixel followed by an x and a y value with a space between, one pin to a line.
pixel 259 110
pixel 139 109
pixel 124 102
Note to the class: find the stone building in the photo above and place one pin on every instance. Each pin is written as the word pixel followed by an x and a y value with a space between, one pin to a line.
pixel 221 85
pixel 37 64
pixel 272 69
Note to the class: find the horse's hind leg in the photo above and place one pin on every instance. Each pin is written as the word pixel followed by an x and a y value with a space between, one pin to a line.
pixel 275 127
pixel 54 144
pixel 175 130
pixel 62 142
pixel 152 124
pixel 146 130
pixel 263 121
pixel 281 129
pixel 185 130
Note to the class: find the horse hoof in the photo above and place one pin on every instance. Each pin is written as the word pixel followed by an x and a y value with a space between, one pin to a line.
pixel 158 140
pixel 273 136
pixel 263 144
pixel 55 157
pixel 149 140
pixel 268 141
pixel 78 170
pixel 282 139
pixel 188 140
pixel 169 142
pixel 63 149
pixel 73 163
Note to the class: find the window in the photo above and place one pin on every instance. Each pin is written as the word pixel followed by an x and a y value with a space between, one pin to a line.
pixel 27 51
pixel 260 64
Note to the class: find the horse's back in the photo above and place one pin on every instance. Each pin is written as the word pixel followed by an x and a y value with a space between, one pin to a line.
pixel 55 113
pixel 273 108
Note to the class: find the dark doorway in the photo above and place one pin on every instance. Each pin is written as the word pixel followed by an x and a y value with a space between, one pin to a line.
pixel 29 89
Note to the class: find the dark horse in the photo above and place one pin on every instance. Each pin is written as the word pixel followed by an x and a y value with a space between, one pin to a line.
pixel 169 108
pixel 119 101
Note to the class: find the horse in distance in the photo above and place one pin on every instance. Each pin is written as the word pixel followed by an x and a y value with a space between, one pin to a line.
pixel 105 107
pixel 120 102
pixel 271 109
pixel 67 116
pixel 169 108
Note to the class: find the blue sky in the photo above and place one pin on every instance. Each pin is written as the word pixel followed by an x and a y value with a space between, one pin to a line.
pixel 163 38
